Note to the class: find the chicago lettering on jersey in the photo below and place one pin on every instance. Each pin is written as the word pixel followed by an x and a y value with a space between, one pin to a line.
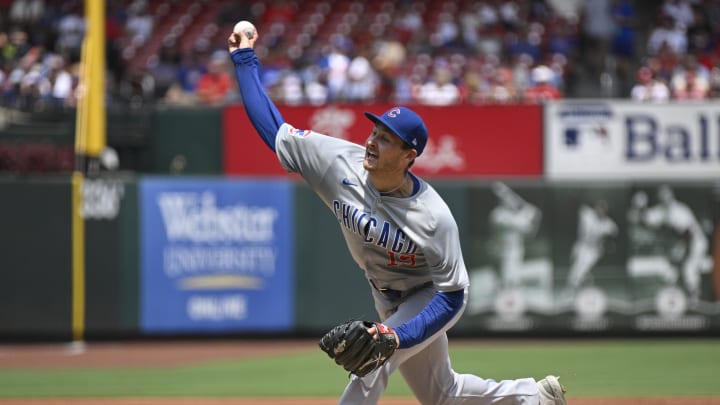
pixel 372 229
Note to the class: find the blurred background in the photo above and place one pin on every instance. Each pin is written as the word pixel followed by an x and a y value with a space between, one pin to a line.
pixel 437 52
pixel 576 141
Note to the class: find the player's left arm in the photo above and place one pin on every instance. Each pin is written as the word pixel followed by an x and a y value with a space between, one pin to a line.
pixel 435 316
pixel 450 278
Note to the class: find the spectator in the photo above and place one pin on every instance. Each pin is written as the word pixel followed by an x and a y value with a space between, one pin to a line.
pixel 561 38
pixel 714 87
pixel 335 68
pixel 8 51
pixel 114 36
pixel 165 70
pixel 291 88
pixel 527 41
pixel 623 40
pixel 19 89
pixel 140 23
pixel 474 89
pixel 192 67
pixel 183 90
pixel 502 90
pixel 406 87
pixel 316 92
pixel 667 34
pixel 680 11
pixel 597 30
pixel 390 57
pixel 19 42
pixel 542 88
pixel 216 86
pixel 446 33
pixel 440 89
pixel 521 72
pixel 690 86
pixel 26 13
pixel 488 15
pixel 470 27
pixel 362 78
pixel 490 85
pixel 648 88
pixel 690 63
pixel 701 38
pixel 62 92
pixel 509 12
pixel 538 10
pixel 32 84
pixel 408 23
pixel 666 63
pixel 71 30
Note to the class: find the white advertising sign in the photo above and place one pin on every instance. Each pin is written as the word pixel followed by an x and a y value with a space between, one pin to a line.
pixel 611 139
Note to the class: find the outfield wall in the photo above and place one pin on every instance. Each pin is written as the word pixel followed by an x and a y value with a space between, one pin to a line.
pixel 221 255
pixel 596 218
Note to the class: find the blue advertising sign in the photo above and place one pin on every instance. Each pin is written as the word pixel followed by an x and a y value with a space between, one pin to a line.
pixel 216 255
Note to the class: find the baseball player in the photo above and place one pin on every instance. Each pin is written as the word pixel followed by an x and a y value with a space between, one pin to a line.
pixel 400 232
pixel 594 226
pixel 514 220
pixel 678 217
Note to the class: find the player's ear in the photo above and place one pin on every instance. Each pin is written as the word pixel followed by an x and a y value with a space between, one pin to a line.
pixel 409 157
pixel 411 154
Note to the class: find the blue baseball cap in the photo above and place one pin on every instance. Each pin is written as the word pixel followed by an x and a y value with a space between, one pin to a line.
pixel 406 124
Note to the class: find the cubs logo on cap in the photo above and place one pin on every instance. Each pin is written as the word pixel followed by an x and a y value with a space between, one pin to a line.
pixel 406 124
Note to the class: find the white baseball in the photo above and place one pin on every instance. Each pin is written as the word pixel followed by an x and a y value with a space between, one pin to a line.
pixel 245 27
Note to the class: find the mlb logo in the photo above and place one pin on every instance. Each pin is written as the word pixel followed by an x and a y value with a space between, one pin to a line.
pixel 586 136
pixel 572 137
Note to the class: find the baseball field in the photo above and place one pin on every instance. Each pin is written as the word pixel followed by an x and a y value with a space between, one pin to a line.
pixel 283 372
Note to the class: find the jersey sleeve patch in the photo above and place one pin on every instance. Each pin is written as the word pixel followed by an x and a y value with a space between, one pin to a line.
pixel 300 133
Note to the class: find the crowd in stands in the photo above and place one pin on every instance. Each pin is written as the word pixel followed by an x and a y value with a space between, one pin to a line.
pixel 438 52
pixel 682 56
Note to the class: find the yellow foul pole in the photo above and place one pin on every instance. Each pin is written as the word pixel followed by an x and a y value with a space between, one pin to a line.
pixel 90 128
pixel 78 259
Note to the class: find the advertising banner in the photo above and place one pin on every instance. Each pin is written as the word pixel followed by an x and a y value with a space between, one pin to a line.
pixel 111 253
pixel 216 255
pixel 464 140
pixel 578 258
pixel 622 139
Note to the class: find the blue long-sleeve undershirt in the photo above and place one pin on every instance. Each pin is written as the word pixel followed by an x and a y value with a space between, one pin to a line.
pixel 441 309
pixel 266 119
pixel 263 114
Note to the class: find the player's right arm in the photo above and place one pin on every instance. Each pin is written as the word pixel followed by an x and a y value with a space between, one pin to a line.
pixel 262 112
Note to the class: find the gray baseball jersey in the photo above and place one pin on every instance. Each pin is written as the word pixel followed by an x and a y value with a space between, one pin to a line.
pixel 401 243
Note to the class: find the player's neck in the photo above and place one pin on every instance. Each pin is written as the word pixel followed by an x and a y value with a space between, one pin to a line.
pixel 395 187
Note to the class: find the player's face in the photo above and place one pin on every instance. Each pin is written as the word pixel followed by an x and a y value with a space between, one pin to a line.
pixel 386 152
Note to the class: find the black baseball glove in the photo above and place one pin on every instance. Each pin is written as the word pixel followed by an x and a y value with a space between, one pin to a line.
pixel 352 347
